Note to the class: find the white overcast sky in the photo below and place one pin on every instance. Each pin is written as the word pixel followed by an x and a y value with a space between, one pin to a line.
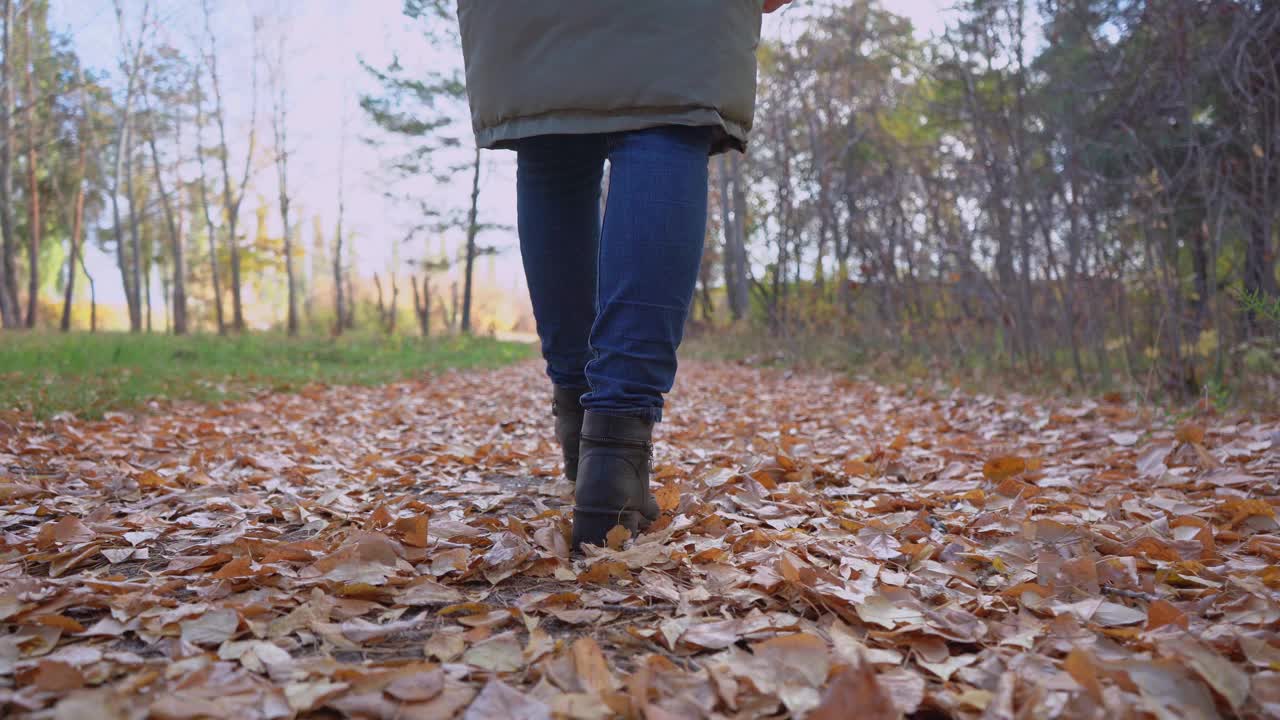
pixel 325 39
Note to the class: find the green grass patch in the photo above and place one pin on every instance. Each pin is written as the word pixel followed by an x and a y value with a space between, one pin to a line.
pixel 89 374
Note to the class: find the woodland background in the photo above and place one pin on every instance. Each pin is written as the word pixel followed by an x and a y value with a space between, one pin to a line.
pixel 1086 191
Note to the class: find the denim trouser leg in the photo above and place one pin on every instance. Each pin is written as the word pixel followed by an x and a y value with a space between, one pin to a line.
pixel 624 293
pixel 558 204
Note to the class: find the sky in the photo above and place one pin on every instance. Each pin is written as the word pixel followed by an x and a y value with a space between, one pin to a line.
pixel 325 40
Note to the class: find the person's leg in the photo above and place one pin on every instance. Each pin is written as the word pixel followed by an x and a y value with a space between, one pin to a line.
pixel 558 207
pixel 558 203
pixel 650 250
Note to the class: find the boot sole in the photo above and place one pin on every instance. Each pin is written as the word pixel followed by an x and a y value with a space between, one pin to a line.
pixel 591 525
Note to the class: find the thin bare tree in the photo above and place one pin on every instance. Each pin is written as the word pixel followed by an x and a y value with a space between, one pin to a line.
pixel 339 296
pixel 233 193
pixel 131 62
pixel 35 220
pixel 88 139
pixel 280 134
pixel 9 309
pixel 172 218
pixel 215 273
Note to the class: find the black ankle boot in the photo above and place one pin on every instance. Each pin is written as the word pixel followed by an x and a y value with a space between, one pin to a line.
pixel 613 478
pixel 566 405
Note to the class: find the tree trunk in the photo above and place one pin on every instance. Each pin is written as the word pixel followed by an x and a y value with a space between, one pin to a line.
pixel 292 321
pixel 131 281
pixel 135 242
pixel 122 141
pixel 280 130
pixel 395 305
pixel 9 313
pixel 77 227
pixel 33 181
pixel 453 307
pixel 339 302
pixel 214 274
pixel 422 305
pixel 1259 265
pixel 146 284
pixel 175 242
pixel 736 284
pixel 93 296
pixel 350 321
pixel 77 218
pixel 232 198
pixel 473 229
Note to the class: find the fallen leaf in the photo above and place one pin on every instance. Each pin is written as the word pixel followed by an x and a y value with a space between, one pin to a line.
pixel 500 653
pixel 855 690
pixel 499 701
pixel 212 628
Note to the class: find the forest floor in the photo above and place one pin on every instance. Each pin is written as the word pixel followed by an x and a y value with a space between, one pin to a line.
pixel 828 547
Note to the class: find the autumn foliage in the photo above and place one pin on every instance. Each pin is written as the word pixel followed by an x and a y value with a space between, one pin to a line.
pixel 828 549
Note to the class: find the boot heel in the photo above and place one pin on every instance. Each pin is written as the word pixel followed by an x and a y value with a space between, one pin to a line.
pixel 592 525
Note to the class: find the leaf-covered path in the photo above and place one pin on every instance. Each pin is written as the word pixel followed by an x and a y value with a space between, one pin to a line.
pixel 827 546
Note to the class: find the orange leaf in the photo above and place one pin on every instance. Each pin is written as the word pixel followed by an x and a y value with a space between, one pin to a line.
pixel 1082 668
pixel 467 608
pixel 1017 591
pixel 57 676
pixel 1270 576
pixel 668 497
pixel 616 537
pixel 413 530
pixel 1241 509
pixel 593 670
pixel 601 572
pixel 1003 467
pixel 152 479
pixel 381 516
pixel 1190 433
pixel 1161 613
pixel 857 468
pixel 62 622
pixel 856 692
pixel 238 568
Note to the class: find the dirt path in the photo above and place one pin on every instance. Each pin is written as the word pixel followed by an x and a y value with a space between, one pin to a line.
pixel 392 552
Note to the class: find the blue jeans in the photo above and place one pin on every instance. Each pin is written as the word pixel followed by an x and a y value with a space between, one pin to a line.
pixel 611 300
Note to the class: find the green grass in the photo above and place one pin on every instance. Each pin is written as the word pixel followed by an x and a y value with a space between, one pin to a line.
pixel 1248 387
pixel 87 375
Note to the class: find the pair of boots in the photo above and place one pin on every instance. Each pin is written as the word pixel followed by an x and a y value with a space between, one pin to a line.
pixel 606 457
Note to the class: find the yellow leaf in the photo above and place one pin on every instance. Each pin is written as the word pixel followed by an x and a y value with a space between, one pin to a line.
pixel 1270 576
pixel 617 536
pixel 1004 467
pixel 602 571
pixel 466 608
pixel 668 497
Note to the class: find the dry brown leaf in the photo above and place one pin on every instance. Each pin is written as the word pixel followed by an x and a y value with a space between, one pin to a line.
pixel 855 690
pixel 500 653
pixel 592 668
pixel 499 701
pixel 417 687
pixel 954 548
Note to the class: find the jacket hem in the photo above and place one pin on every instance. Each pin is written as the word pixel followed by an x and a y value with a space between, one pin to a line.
pixel 506 134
